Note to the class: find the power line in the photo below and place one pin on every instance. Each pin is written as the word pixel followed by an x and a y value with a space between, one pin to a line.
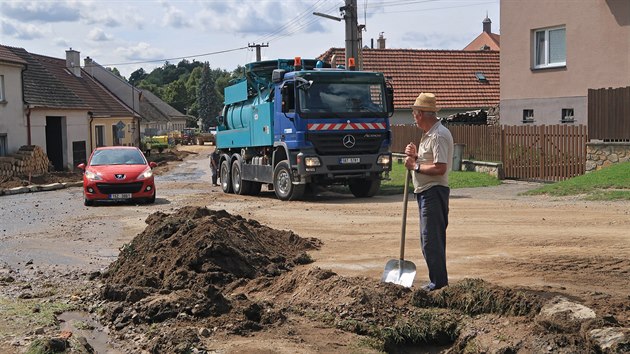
pixel 185 57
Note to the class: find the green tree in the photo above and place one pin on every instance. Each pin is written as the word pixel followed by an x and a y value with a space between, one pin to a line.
pixel 207 97
pixel 137 76
pixel 176 95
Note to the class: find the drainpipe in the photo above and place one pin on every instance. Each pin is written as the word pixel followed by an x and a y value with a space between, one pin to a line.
pixel 91 114
pixel 28 109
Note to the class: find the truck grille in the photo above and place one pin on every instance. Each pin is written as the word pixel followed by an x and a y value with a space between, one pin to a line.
pixel 114 188
pixel 332 144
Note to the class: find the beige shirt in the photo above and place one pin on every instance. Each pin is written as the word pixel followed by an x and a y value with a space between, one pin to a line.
pixel 436 146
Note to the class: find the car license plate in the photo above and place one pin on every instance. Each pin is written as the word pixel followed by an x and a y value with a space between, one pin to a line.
pixel 120 196
pixel 349 160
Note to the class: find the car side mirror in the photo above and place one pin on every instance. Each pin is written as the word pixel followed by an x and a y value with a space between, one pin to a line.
pixel 81 166
pixel 152 164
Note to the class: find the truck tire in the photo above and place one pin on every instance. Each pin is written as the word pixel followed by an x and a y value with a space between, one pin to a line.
pixel 238 185
pixel 365 188
pixel 283 183
pixel 226 178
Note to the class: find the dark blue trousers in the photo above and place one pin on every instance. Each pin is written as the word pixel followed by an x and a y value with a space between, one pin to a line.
pixel 433 207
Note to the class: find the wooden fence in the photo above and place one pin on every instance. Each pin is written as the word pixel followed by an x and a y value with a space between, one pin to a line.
pixel 534 152
pixel 609 114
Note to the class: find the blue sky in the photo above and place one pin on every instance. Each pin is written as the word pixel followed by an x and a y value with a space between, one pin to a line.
pixel 144 33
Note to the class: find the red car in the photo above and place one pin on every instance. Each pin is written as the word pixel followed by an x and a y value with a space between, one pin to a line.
pixel 118 173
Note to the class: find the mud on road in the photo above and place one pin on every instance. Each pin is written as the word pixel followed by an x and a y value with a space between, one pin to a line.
pixel 508 257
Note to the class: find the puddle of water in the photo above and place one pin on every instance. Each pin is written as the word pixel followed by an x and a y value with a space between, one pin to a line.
pixel 82 324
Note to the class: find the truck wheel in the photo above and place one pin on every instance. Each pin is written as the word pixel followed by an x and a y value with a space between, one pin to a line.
pixel 364 188
pixel 238 185
pixel 282 183
pixel 226 179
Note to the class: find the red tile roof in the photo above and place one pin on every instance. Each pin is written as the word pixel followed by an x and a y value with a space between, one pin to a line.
pixel 492 40
pixel 449 74
pixel 7 56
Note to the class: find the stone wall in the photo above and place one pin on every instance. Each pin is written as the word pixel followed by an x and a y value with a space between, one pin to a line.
pixel 601 154
pixel 492 168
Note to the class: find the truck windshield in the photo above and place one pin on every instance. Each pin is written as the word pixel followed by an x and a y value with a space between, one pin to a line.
pixel 342 100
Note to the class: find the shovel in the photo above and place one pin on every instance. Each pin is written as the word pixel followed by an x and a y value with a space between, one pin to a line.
pixel 399 271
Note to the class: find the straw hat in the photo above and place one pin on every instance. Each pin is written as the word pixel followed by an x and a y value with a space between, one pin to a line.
pixel 425 102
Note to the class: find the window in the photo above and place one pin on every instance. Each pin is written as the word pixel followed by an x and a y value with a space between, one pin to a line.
pixel 3 145
pixel 567 115
pixel 528 116
pixel 2 98
pixel 100 135
pixel 550 48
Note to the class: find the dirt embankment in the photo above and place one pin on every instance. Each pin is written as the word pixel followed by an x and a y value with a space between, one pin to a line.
pixel 208 276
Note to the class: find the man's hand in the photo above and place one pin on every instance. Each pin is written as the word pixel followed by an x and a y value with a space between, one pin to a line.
pixel 411 151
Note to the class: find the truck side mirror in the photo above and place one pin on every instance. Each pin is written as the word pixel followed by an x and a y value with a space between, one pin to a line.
pixel 389 92
pixel 220 120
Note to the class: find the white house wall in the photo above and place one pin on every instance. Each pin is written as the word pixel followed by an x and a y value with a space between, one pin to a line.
pixel 75 124
pixel 12 108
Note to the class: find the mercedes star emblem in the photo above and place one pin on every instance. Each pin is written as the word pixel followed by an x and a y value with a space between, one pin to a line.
pixel 348 141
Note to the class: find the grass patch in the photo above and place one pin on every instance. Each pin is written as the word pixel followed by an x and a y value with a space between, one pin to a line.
pixel 29 314
pixel 432 326
pixel 456 179
pixel 610 183
pixel 475 296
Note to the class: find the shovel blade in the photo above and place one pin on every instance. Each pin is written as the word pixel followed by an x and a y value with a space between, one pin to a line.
pixel 399 272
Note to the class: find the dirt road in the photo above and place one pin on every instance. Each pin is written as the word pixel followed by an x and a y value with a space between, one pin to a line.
pixel 555 245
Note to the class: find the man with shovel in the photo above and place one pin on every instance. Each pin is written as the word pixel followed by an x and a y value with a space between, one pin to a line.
pixel 431 161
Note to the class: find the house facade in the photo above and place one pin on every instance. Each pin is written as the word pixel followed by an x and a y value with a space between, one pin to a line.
pixel 552 53
pixel 60 109
pixel 12 129
pixel 157 117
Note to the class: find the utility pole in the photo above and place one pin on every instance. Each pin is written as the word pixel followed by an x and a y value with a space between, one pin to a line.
pixel 352 33
pixel 353 42
pixel 258 46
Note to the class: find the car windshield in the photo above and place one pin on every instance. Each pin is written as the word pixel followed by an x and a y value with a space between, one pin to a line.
pixel 117 157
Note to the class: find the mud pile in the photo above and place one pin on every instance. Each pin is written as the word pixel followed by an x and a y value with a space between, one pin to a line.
pixel 205 274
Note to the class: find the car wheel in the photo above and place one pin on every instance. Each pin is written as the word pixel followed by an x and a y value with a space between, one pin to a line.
pixel 88 202
pixel 151 200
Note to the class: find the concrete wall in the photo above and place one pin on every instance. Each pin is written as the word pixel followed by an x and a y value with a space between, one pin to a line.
pixel 597 55
pixel 12 120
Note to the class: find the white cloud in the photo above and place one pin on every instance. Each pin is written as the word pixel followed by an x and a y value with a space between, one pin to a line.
pixel 141 51
pixel 61 42
pixel 98 35
pixel 175 17
pixel 41 11
pixel 20 30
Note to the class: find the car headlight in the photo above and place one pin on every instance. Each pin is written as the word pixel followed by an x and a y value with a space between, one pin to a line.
pixel 92 176
pixel 148 173
pixel 384 159
pixel 312 161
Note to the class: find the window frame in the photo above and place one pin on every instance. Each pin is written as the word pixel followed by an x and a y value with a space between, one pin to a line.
pixel 3 97
pixel 564 115
pixel 535 51
pixel 527 118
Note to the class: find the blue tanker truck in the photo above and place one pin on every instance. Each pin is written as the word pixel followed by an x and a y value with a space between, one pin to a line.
pixel 292 124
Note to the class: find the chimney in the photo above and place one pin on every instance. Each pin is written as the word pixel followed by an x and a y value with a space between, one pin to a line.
pixel 380 41
pixel 73 62
pixel 88 65
pixel 487 25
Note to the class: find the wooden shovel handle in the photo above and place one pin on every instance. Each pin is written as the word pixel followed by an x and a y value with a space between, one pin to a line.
pixel 404 220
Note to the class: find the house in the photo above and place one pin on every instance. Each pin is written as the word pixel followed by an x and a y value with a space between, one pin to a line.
pixel 462 80
pixel 158 117
pixel 486 40
pixel 64 111
pixel 553 53
pixel 12 132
